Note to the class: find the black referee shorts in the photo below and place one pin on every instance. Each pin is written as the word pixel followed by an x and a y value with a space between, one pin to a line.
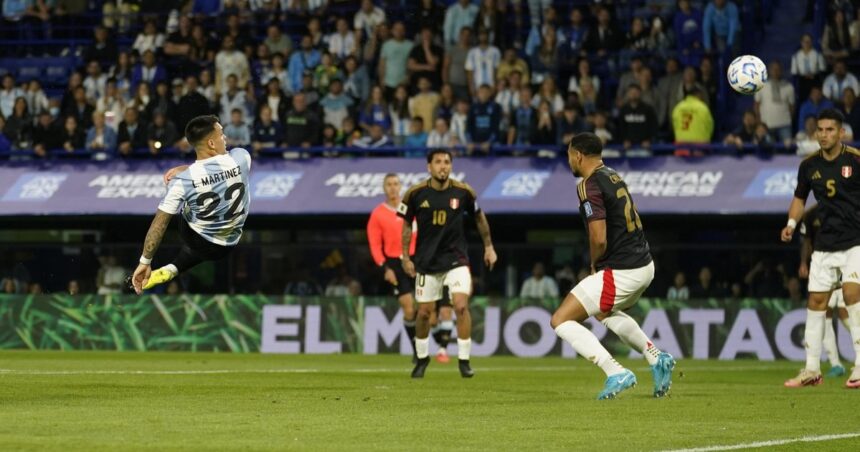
pixel 405 283
pixel 195 249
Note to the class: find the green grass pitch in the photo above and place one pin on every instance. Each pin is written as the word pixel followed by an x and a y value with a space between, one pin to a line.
pixel 206 401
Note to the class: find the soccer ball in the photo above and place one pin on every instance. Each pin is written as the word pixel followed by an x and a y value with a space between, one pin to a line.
pixel 747 74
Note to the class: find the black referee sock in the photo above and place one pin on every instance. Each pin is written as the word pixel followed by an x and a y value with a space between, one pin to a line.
pixel 442 337
pixel 409 326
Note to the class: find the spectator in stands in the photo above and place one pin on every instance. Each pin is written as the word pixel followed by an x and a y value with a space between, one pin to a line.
pixel 447 102
pixel 111 277
pixel 628 78
pixel 372 49
pixel 100 138
pixel 192 104
pixel 233 97
pixel 45 135
pixel 604 38
pixel 705 286
pixel 440 136
pixel 94 83
pixel 132 134
pixel 636 39
pixel 277 71
pixel 836 39
pixel 807 65
pixel 849 108
pixel 645 81
pixel 428 15
pixel 490 19
pixel 583 69
pixel 807 140
pixel 393 59
pixel 324 73
pixel 277 42
pixel 659 40
pixel 691 119
pixel 539 284
pixel 523 122
pixel 179 42
pixel 602 127
pixel 766 279
pixel 721 27
pixel 268 133
pixel 8 95
pixel 835 83
pixel 149 39
pixel 570 124
pixel 339 285
pixel 276 100
pixel 239 33
pixel 813 105
pixel 774 104
pixel 122 71
pixel 573 38
pixel 103 49
pixel 237 132
pixel 162 101
pixel 425 60
pixel 117 15
pixel 356 80
pixel 336 105
pixel 19 126
pixel 513 63
pixel 203 47
pixel 81 109
pixel 148 72
pixel 424 103
pixel 688 33
pixel 375 138
pixel 546 130
pixel 230 61
pixel 483 123
pixel 679 289
pixel 342 43
pixel 454 65
pixel 545 59
pixel 417 138
pixel 508 94
pixel 745 133
pixel 303 61
pixel 5 144
pixel 398 109
pixel 162 134
pixel 303 126
pixel 73 136
pixel 375 111
pixel 550 94
pixel 667 86
pixel 73 287
pixel 708 80
pixel 458 16
pixel 637 121
pixel 349 134
pixel 37 101
pixel 460 121
pixel 112 104
pixel 367 19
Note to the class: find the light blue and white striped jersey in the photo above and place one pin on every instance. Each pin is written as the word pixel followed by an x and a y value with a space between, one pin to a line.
pixel 215 193
pixel 483 64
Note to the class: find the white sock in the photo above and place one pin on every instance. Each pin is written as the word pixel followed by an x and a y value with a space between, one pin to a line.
pixel 171 268
pixel 628 330
pixel 812 338
pixel 422 347
pixel 464 348
pixel 830 343
pixel 447 325
pixel 854 328
pixel 586 344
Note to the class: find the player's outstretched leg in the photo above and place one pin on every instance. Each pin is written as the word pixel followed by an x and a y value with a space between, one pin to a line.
pixel 567 324
pixel 464 334
pixel 836 369
pixel 161 276
pixel 661 363
pixel 812 338
pixel 422 339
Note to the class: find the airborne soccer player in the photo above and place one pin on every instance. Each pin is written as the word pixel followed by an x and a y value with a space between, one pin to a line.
pixel 211 194
pixel 833 176
pixel 440 205
pixel 621 269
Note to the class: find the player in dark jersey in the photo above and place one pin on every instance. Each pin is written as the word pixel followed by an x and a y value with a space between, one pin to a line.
pixel 440 205
pixel 621 269
pixel 809 227
pixel 833 175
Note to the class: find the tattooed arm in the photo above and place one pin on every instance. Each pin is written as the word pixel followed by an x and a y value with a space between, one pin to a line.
pixel 406 238
pixel 150 246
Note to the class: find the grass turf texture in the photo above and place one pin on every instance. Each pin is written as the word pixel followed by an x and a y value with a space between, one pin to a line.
pixel 203 401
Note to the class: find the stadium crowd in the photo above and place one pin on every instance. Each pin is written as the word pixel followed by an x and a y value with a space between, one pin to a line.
pixel 474 74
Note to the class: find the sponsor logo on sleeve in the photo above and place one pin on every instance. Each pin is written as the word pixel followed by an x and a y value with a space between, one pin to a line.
pixel 402 208
pixel 588 211
pixel 32 187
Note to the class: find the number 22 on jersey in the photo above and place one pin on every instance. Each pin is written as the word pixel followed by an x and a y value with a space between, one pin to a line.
pixel 630 213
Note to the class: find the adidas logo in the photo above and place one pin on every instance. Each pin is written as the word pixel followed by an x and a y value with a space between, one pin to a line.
pixel 425 204
pixel 854 275
pixel 816 175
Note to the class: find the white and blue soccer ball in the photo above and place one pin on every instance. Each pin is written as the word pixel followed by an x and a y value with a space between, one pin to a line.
pixel 747 74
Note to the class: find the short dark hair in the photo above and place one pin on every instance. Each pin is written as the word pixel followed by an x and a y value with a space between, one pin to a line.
pixel 587 143
pixel 199 128
pixel 831 113
pixel 432 153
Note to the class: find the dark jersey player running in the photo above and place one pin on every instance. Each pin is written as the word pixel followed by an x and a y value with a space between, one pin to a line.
pixel 440 205
pixel 621 269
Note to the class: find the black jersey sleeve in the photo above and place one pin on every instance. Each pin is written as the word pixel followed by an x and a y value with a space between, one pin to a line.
pixel 591 200
pixel 406 209
pixel 471 201
pixel 803 186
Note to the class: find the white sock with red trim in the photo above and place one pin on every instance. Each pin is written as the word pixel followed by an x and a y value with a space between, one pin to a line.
pixel 830 343
pixel 812 338
pixel 586 344
pixel 629 331
pixel 854 327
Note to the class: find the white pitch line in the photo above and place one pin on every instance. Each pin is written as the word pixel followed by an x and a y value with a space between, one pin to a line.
pixel 776 442
pixel 343 371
